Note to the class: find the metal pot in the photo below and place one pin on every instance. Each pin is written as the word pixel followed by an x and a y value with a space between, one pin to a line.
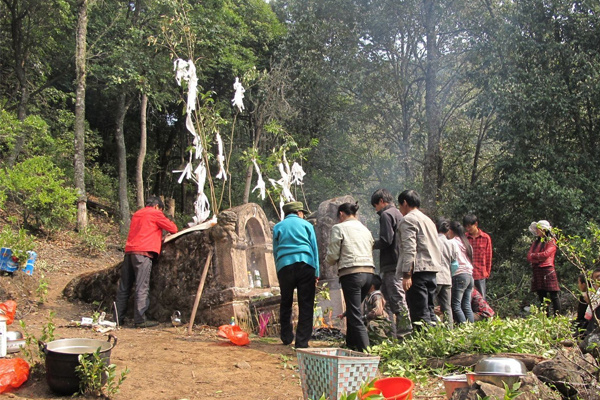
pixel 497 371
pixel 176 319
pixel 62 357
pixel 501 365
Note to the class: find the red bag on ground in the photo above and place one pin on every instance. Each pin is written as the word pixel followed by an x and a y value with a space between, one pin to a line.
pixel 235 334
pixel 13 373
pixel 8 309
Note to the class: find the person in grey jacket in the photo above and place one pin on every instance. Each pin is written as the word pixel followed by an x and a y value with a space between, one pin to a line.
pixel 391 287
pixel 351 248
pixel 420 258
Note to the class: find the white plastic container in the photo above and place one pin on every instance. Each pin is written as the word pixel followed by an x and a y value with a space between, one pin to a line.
pixel 2 338
pixel 257 279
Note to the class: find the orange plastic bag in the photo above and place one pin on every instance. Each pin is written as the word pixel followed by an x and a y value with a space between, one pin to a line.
pixel 13 373
pixel 8 309
pixel 235 334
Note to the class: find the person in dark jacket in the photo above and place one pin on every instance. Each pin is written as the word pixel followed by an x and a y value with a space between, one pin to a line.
pixel 391 287
pixel 143 246
pixel 297 262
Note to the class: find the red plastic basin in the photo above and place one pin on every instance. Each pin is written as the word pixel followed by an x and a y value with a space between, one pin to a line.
pixel 397 388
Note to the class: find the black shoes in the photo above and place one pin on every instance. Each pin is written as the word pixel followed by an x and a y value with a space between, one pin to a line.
pixel 147 324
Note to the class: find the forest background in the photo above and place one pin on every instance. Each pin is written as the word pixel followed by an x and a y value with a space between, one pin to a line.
pixel 487 107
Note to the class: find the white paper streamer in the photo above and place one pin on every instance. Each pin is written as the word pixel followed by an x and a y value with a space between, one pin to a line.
pixel 186 71
pixel 297 174
pixel 260 184
pixel 239 95
pixel 221 159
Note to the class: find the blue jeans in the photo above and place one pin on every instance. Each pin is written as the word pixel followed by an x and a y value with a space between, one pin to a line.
pixel 462 286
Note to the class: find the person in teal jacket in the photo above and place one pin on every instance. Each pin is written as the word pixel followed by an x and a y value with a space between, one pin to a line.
pixel 297 262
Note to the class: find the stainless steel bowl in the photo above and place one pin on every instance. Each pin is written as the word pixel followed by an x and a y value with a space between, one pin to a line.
pixel 500 365
pixel 14 346
pixel 497 371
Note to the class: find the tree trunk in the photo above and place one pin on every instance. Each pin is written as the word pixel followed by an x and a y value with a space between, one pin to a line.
pixel 124 213
pixel 20 55
pixel 248 184
pixel 79 125
pixel 257 136
pixel 432 155
pixel 139 175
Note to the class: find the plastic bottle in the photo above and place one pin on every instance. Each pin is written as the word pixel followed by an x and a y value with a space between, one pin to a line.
pixel 30 262
pixel 232 322
pixel 257 279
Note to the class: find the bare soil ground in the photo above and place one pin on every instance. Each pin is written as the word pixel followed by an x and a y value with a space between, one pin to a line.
pixel 164 362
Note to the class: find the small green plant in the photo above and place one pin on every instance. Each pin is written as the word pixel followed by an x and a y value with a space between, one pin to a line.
pixel 285 362
pixel 366 391
pixel 93 241
pixel 509 392
pixel 97 377
pixel 32 351
pixel 42 290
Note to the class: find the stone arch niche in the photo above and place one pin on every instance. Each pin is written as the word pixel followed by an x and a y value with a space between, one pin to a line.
pixel 243 243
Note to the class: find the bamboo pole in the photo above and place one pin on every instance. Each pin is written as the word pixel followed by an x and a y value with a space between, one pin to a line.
pixel 199 292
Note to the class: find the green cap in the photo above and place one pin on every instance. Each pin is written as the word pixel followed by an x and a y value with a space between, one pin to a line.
pixel 293 206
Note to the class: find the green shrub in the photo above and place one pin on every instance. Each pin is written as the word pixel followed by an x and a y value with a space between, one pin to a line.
pixel 536 334
pixel 38 187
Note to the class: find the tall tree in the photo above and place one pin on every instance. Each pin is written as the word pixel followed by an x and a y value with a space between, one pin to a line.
pixel 79 126
pixel 432 153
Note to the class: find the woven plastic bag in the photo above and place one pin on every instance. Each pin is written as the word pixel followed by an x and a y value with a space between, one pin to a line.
pixel 8 309
pixel 235 334
pixel 13 373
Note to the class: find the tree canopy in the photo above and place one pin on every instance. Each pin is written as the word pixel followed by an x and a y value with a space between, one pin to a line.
pixel 488 107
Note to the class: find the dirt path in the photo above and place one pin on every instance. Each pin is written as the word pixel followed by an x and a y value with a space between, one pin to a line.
pixel 165 362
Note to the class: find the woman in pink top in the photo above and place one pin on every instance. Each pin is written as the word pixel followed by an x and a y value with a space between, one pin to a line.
pixel 462 278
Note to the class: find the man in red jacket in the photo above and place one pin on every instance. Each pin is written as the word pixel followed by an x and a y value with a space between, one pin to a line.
pixel 143 246
pixel 482 252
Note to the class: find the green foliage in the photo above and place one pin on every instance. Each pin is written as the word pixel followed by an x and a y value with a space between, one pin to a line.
pixel 536 334
pixel 19 243
pixel 96 377
pixel 99 182
pixel 38 187
pixel 32 351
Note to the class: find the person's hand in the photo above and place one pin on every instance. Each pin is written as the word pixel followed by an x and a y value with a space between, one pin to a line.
pixel 341 316
pixel 406 283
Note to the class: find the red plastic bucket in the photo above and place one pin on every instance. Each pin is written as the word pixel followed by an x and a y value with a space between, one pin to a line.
pixel 395 388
